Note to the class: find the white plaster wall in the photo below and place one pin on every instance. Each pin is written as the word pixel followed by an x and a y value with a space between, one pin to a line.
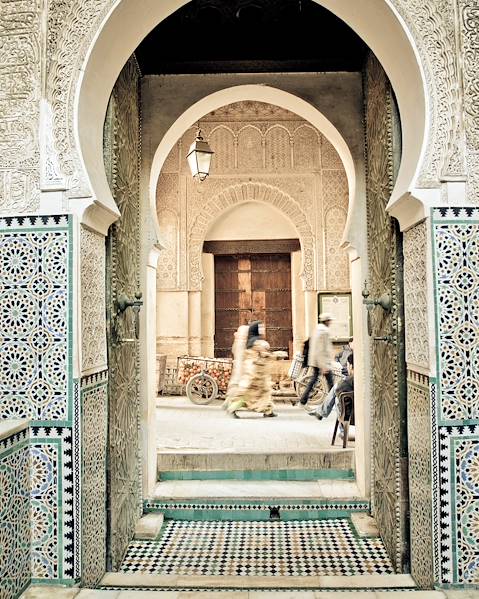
pixel 251 220
pixel 172 323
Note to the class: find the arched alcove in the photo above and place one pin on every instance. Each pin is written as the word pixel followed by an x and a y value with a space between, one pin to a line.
pixel 248 192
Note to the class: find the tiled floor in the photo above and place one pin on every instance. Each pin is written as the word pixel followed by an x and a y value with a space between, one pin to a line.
pixel 301 548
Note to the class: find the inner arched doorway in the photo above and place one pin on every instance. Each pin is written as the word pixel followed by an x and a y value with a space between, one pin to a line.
pixel 92 171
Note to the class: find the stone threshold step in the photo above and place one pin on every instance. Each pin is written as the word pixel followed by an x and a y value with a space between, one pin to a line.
pixel 120 580
pixel 56 592
pixel 335 458
pixel 257 490
pixel 258 475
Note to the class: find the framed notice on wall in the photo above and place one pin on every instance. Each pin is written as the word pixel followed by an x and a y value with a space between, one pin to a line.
pixel 339 306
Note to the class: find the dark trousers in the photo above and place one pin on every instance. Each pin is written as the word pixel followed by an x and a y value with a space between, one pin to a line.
pixel 316 373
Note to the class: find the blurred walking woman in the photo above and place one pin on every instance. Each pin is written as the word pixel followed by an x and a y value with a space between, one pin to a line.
pixel 254 391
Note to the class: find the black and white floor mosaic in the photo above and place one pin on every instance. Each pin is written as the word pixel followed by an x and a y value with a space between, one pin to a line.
pixel 294 548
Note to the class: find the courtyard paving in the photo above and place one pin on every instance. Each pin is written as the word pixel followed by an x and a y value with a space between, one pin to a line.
pixel 185 427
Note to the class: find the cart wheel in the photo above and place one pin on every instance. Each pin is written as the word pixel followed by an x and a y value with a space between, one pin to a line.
pixel 201 389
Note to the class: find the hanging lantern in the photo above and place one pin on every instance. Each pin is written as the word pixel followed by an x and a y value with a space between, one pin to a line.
pixel 199 157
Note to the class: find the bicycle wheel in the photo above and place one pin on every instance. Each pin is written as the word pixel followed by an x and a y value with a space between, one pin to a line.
pixel 201 389
pixel 318 391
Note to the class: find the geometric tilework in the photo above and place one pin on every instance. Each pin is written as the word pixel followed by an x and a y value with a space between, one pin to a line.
pixel 465 512
pixel 458 504
pixel 456 253
pixel 55 495
pixel 420 478
pixel 301 548
pixel 455 397
pixel 35 318
pixel 45 520
pixel 14 515
pixel 94 402
pixel 221 509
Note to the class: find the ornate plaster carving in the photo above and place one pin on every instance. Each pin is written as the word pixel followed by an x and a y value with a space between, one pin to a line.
pixel 286 154
pixel 237 194
pixel 20 76
pixel 168 265
pixel 93 309
pixel 336 259
pixel 469 23
pixel 415 295
pixel 248 110
pixel 432 26
pixel 70 30
pixel 420 478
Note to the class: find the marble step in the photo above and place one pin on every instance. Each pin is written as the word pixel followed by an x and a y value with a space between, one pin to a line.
pixel 264 490
pixel 327 463
pixel 119 580
pixel 55 592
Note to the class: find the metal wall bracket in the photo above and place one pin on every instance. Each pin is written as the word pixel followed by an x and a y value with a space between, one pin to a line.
pixel 122 303
pixel 384 302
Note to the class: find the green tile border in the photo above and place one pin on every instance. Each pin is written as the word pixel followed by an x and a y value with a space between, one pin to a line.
pixel 250 510
pixel 258 475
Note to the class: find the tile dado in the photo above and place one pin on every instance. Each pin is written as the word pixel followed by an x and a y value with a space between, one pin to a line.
pixel 36 381
pixel 455 398
pixel 14 514
pixel 459 504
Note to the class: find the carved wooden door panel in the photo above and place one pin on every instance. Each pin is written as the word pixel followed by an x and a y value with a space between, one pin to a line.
pixel 252 287
pixel 229 290
pixel 271 289
pixel 389 459
pixel 121 138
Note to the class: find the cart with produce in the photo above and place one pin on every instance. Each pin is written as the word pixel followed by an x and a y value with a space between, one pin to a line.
pixel 205 378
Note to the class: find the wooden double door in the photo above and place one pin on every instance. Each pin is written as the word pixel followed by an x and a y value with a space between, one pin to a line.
pixel 253 287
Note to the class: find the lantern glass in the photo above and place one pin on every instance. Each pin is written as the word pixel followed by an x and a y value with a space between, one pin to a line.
pixel 199 158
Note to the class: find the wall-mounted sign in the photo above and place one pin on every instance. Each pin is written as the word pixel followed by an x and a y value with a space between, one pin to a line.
pixel 339 306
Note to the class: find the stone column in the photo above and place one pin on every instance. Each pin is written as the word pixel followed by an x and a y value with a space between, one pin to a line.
pixel 362 378
pixel 310 311
pixel 297 303
pixel 208 306
pixel 149 386
pixel 194 323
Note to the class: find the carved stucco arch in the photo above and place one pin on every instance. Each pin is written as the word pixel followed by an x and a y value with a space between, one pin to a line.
pixel 248 192
pixel 80 80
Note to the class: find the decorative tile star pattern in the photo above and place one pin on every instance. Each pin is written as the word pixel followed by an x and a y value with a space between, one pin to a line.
pixel 35 318
pixel 299 548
